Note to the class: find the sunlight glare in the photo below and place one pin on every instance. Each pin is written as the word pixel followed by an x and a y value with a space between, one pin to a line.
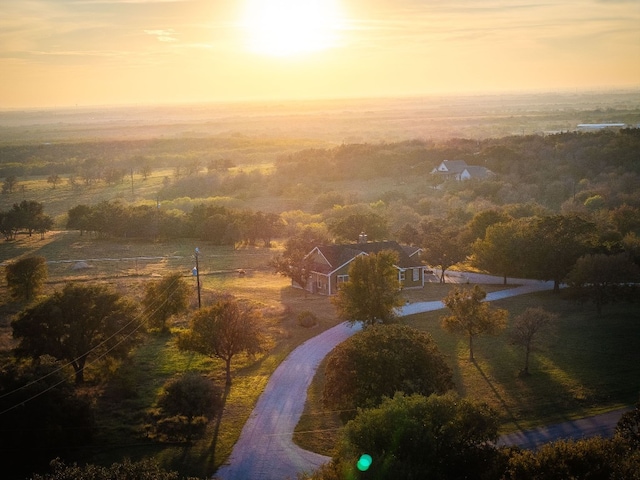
pixel 292 27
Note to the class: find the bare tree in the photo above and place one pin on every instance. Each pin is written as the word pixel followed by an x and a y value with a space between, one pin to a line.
pixel 53 179
pixel 526 328
pixel 9 184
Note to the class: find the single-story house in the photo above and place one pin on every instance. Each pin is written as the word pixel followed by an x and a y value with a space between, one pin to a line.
pixel 459 170
pixel 475 172
pixel 330 264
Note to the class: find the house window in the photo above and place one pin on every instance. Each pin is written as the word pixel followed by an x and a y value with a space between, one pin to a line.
pixel 319 284
pixel 342 279
pixel 416 274
pixel 402 275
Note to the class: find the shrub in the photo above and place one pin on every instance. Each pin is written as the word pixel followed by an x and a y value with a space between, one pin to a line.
pixel 307 319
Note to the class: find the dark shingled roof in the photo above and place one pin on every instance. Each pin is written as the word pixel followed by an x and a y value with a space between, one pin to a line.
pixel 338 255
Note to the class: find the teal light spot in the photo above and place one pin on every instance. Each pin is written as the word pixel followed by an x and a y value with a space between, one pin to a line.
pixel 364 463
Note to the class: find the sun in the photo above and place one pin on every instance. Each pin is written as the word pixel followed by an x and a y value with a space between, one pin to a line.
pixel 286 28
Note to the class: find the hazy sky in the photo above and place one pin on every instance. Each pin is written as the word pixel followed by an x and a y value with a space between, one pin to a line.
pixel 97 52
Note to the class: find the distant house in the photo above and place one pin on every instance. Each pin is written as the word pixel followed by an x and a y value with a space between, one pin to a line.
pixel 475 172
pixel 330 264
pixel 450 168
pixel 459 170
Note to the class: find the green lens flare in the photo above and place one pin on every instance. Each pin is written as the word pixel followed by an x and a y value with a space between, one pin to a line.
pixel 364 463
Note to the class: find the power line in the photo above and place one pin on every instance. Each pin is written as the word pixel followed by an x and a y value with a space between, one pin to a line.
pixel 137 318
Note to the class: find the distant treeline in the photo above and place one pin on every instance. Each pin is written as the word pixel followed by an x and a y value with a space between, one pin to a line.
pixel 69 158
pixel 216 224
pixel 528 157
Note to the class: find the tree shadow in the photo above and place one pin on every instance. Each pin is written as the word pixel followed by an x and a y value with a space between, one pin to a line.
pixel 502 401
pixel 216 429
pixel 207 457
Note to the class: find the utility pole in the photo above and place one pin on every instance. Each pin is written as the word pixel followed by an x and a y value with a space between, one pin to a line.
pixel 196 272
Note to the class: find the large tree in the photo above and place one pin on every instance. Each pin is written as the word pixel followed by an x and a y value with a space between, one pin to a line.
pixel 372 292
pixel 79 217
pixel 349 227
pixel 417 437
pixel 484 219
pixel 185 406
pixel 224 330
pixel 444 245
pixel 25 277
pixel 471 315
pixel 381 361
pixel 604 279
pixel 502 249
pixel 527 327
pixel 556 243
pixel 590 458
pixel 293 263
pixel 164 299
pixel 43 416
pixel 76 324
pixel 29 215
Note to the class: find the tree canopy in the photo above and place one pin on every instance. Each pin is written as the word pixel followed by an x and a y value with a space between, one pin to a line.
pixel 501 250
pixel 224 330
pixel 471 315
pixel 604 279
pixel 293 263
pixel 381 361
pixel 25 277
pixel 438 437
pixel 42 417
pixel 444 245
pixel 372 292
pixel 559 241
pixel 445 437
pixel 27 215
pixel 164 299
pixel 186 404
pixel 78 323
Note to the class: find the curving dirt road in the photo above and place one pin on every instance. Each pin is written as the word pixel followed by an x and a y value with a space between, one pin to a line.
pixel 265 449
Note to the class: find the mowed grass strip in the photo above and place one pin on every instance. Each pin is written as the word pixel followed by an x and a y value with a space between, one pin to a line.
pixel 587 364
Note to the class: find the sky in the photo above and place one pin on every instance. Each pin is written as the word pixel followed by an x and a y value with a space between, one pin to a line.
pixel 121 52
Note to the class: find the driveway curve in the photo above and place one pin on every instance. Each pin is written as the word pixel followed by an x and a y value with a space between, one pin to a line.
pixel 265 449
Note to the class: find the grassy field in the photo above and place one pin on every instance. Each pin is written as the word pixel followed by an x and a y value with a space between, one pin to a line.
pixel 125 393
pixel 586 364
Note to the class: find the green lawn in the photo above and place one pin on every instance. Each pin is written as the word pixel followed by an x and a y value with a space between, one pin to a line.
pixel 587 365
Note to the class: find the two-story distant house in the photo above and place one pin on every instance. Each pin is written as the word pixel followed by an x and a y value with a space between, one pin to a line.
pixel 459 170
pixel 330 264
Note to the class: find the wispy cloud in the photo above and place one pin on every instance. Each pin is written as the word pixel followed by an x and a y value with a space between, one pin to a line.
pixel 168 35
pixel 413 21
